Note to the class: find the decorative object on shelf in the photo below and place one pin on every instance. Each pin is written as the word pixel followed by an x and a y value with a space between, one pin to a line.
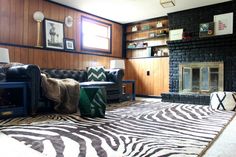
pixel 206 29
pixel 187 35
pixel 4 55
pixel 223 24
pixel 145 44
pixel 68 21
pixel 117 64
pixel 167 3
pixel 69 44
pixel 152 34
pixel 159 24
pixel 38 17
pixel 134 29
pixel 149 51
pixel 162 33
pixel 165 53
pixel 54 34
pixel 139 45
pixel 176 34
pixel 145 27
pixel 154 51
pixel 132 45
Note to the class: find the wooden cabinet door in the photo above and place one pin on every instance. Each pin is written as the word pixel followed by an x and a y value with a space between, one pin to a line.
pixel 153 84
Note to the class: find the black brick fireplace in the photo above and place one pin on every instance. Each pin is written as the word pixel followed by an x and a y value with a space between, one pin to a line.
pixel 208 49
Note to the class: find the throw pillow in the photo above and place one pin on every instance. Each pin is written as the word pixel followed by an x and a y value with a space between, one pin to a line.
pixel 96 74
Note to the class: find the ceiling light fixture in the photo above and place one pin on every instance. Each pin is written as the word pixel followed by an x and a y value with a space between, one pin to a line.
pixel 167 3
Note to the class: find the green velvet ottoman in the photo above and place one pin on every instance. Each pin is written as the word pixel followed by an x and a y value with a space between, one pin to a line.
pixel 93 100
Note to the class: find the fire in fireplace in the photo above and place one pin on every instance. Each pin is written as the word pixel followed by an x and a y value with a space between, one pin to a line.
pixel 201 77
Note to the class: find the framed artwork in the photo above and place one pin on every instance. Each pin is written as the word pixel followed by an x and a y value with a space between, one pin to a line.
pixel 53 34
pixel 223 24
pixel 69 44
pixel 176 34
pixel 206 29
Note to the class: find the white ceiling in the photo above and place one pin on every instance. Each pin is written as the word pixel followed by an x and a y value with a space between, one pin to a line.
pixel 126 11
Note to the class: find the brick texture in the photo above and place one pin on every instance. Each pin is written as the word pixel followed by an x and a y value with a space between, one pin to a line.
pixel 217 48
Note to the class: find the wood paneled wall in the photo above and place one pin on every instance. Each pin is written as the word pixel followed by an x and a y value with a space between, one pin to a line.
pixel 55 59
pixel 17 26
pixel 154 84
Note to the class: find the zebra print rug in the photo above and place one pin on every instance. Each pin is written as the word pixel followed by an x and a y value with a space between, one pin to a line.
pixel 139 129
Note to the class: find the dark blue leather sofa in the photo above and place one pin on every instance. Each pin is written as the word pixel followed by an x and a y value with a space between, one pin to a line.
pixel 32 75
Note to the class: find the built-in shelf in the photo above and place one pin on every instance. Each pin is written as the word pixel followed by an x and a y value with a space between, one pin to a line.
pixel 149 38
pixel 152 29
pixel 148 42
pixel 147 57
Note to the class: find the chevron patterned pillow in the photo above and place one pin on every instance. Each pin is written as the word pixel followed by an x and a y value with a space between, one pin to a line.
pixel 96 74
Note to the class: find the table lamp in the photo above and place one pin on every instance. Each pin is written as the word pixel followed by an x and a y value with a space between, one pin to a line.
pixel 38 16
pixel 4 55
pixel 117 64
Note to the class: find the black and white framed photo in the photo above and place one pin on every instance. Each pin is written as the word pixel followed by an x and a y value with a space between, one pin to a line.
pixel 69 44
pixel 53 34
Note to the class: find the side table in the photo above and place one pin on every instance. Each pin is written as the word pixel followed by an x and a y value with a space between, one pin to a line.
pixel 93 100
pixel 14 110
pixel 133 87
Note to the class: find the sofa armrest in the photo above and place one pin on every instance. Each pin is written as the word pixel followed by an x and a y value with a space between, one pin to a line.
pixel 31 74
pixel 115 75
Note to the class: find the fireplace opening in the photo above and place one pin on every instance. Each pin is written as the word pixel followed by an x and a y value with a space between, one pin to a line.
pixel 201 77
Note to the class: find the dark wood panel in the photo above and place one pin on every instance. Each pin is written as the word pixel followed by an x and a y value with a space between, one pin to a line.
pixel 5 20
pixel 25 22
pixel 32 25
pixel 54 59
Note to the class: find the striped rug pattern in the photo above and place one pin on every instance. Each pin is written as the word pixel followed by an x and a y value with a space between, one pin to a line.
pixel 149 129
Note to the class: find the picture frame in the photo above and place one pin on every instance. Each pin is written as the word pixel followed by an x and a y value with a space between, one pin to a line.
pixel 176 34
pixel 223 24
pixel 206 29
pixel 134 29
pixel 53 34
pixel 69 44
pixel 152 34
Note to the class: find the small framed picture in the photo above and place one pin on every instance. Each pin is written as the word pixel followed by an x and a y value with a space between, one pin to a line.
pixel 224 24
pixel 53 34
pixel 69 44
pixel 176 34
pixel 206 29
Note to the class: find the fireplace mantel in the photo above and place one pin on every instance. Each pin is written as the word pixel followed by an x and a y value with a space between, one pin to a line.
pixel 215 41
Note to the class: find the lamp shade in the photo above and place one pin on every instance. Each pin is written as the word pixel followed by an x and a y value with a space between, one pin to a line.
pixel 167 3
pixel 38 16
pixel 117 64
pixel 4 55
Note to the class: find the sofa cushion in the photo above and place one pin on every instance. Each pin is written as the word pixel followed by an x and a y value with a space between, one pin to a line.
pixel 96 74
pixel 78 75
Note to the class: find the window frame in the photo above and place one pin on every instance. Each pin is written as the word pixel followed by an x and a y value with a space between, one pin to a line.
pixel 92 49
